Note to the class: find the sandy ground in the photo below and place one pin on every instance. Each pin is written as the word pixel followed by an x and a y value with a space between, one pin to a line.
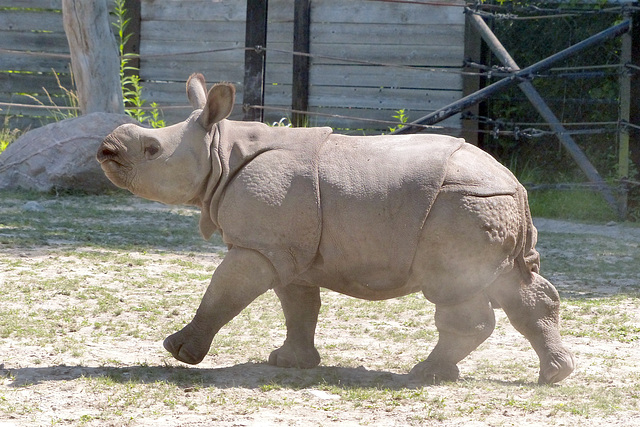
pixel 126 379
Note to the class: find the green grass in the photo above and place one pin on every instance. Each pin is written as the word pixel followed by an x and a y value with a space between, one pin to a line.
pixel 79 220
pixel 577 205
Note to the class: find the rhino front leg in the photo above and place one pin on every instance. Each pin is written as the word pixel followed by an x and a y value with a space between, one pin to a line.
pixel 532 305
pixel 242 276
pixel 461 329
pixel 301 305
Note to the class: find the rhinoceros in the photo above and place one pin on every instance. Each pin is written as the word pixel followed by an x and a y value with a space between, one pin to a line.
pixel 372 217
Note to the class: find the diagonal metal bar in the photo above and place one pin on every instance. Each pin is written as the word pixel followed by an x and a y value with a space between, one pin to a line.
pixel 486 92
pixel 538 102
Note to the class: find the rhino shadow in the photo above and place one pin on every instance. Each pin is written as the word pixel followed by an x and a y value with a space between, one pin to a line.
pixel 246 375
pixel 250 375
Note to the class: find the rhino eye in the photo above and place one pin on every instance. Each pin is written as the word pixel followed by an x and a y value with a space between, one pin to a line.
pixel 151 150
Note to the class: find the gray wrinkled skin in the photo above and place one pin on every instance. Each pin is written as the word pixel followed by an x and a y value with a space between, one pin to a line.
pixel 372 217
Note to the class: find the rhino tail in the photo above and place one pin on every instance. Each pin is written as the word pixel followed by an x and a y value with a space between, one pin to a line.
pixel 528 258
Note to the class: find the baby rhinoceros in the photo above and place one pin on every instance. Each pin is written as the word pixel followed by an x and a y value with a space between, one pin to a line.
pixel 373 217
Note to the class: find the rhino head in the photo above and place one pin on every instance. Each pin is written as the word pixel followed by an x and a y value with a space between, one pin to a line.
pixel 170 165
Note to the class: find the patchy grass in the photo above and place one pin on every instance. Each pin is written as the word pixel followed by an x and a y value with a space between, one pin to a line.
pixel 575 205
pixel 90 285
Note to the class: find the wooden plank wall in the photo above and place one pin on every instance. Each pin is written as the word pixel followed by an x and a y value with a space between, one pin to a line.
pixel 179 37
pixel 428 38
pixel 422 36
pixel 33 27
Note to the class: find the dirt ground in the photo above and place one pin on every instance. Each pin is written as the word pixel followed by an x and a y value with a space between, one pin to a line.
pixel 82 327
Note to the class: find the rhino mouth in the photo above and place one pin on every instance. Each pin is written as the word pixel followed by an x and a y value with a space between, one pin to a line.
pixel 111 161
pixel 109 150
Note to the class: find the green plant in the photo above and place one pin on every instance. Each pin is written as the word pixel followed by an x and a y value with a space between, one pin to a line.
pixel 155 120
pixel 402 118
pixel 7 135
pixel 129 77
pixel 131 88
pixel 132 94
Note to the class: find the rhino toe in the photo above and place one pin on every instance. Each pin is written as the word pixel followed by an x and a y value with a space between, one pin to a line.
pixel 559 366
pixel 431 373
pixel 288 357
pixel 187 347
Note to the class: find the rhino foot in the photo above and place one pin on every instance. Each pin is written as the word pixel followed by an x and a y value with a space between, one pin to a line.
pixel 433 373
pixel 288 356
pixel 189 345
pixel 557 367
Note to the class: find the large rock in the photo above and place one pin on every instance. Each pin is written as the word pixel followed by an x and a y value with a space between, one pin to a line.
pixel 60 155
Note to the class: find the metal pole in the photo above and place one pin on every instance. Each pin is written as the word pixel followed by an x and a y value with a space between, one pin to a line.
pixel 255 59
pixel 301 43
pixel 625 116
pixel 525 73
pixel 538 102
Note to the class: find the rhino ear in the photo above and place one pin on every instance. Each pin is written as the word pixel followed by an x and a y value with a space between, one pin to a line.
pixel 197 91
pixel 219 104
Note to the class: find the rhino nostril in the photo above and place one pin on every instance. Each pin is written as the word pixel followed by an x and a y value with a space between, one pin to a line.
pixel 106 153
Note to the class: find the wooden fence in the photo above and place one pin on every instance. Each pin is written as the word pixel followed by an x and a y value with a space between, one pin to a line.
pixel 32 46
pixel 368 58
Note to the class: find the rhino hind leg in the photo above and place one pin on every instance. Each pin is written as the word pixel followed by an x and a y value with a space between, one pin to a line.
pixel 301 305
pixel 532 305
pixel 461 328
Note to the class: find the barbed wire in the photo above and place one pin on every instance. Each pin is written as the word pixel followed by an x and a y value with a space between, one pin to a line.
pixel 30 53
pixel 424 3
pixel 517 130
pixel 511 12
pixel 577 72
pixel 65 107
pixel 501 127
pixel 530 133
pixel 446 70
pixel 624 123
pixel 489 120
pixel 338 116
pixel 37 106
pixel 488 71
pixel 260 49
pixel 561 11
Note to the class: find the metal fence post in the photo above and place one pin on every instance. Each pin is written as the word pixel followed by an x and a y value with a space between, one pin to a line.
pixel 255 59
pixel 624 115
pixel 301 42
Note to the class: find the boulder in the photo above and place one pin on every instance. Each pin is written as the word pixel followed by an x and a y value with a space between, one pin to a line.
pixel 60 155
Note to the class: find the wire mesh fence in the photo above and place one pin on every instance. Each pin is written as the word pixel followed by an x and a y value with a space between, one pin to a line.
pixel 583 91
